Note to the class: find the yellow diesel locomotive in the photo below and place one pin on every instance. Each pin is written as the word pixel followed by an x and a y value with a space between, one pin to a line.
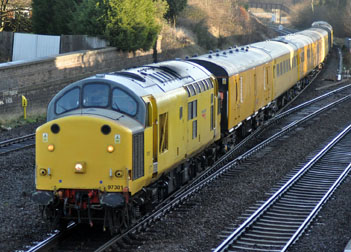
pixel 117 144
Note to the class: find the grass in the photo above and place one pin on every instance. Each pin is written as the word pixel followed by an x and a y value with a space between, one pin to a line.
pixel 20 121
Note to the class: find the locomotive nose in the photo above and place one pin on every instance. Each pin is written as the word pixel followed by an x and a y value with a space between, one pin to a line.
pixel 83 152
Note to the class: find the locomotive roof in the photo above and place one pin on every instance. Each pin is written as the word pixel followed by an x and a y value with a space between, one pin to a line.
pixel 157 78
pixel 150 79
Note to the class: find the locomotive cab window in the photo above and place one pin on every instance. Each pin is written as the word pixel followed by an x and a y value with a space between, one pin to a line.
pixel 96 95
pixel 69 101
pixel 123 102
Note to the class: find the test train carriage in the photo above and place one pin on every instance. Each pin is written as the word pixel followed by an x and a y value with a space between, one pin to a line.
pixel 117 144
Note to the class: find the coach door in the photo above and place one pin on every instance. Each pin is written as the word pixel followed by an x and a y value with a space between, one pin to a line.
pixel 267 82
pixel 152 125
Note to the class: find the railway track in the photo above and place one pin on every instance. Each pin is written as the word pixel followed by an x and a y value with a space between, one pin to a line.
pixel 222 166
pixel 50 242
pixel 287 213
pixel 17 144
pixel 233 158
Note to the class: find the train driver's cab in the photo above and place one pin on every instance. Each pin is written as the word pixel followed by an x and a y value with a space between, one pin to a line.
pixel 97 98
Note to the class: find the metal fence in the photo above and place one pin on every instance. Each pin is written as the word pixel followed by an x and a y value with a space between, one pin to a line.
pixel 31 46
pixel 23 46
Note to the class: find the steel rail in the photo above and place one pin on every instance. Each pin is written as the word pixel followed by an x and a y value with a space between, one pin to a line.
pixel 54 238
pixel 5 146
pixel 276 196
pixel 197 185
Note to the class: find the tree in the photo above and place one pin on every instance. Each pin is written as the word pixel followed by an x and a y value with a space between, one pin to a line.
pixel 175 8
pixel 132 24
pixel 90 18
pixel 14 13
pixel 52 16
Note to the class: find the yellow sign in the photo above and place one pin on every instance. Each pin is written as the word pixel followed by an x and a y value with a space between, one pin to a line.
pixel 24 101
pixel 24 105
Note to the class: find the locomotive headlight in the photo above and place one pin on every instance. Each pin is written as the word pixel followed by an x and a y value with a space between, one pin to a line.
pixel 110 148
pixel 79 167
pixel 51 147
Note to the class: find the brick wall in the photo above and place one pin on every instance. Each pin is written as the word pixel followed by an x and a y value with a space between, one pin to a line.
pixel 40 80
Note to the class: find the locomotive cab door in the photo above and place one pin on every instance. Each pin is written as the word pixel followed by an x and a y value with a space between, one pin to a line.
pixel 152 122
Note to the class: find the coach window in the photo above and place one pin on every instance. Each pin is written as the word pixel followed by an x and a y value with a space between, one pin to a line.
pixel 69 101
pixel 277 70
pixel 96 95
pixel 194 129
pixel 192 110
pixel 281 68
pixel 123 102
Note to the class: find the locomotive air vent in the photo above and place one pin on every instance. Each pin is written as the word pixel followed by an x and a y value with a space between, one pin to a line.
pixel 130 75
pixel 138 155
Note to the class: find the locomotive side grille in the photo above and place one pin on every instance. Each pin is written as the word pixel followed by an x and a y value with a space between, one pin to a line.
pixel 138 155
